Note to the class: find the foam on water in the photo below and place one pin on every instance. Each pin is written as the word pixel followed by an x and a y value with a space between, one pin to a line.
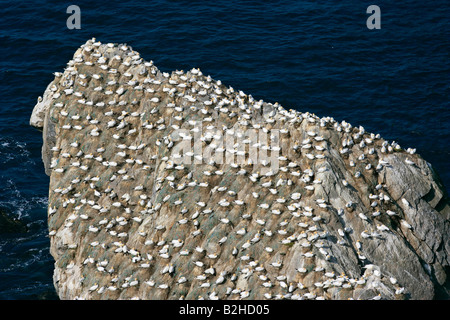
pixel 26 264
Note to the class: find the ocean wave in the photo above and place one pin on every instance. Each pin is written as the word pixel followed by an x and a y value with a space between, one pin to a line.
pixel 15 151
pixel 17 204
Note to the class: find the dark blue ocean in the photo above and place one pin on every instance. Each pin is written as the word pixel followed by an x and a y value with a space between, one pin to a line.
pixel 316 56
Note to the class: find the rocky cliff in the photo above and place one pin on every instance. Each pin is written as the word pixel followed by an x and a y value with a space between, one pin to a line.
pixel 173 185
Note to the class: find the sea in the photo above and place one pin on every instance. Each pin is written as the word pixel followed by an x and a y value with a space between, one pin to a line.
pixel 307 55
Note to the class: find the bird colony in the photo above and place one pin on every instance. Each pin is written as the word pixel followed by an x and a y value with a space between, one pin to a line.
pixel 340 217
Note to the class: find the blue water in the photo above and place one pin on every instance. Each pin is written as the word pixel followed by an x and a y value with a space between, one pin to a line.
pixel 306 55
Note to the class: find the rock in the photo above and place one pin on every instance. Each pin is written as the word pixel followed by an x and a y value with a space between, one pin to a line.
pixel 39 119
pixel 168 186
pixel 40 109
pixel 11 225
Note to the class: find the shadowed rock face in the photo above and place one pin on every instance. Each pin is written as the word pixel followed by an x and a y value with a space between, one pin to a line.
pixel 144 201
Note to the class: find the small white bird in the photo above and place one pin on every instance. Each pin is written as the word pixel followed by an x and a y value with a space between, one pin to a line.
pixel 362 216
pixel 276 264
pixel 391 213
pixel 406 224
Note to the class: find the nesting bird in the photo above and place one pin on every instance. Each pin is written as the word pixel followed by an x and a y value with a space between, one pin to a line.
pixel 206 226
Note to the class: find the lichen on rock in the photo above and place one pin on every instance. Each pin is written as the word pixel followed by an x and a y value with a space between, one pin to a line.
pixel 173 185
